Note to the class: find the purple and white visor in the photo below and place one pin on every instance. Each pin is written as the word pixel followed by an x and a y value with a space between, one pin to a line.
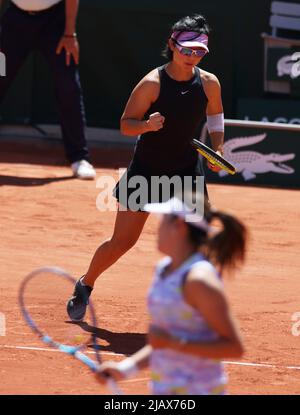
pixel 191 39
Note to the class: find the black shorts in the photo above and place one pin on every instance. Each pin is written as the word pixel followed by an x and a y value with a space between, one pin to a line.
pixel 138 187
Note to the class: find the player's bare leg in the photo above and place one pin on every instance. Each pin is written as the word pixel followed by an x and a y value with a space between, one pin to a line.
pixel 128 227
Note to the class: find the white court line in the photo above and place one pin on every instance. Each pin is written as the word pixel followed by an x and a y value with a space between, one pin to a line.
pixel 262 365
pixel 43 349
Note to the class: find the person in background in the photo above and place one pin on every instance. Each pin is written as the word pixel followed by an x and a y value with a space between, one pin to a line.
pixel 50 27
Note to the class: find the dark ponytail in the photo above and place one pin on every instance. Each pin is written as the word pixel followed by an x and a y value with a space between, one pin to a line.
pixel 227 248
pixel 196 236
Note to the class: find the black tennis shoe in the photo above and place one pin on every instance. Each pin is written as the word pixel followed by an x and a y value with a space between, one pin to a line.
pixel 76 306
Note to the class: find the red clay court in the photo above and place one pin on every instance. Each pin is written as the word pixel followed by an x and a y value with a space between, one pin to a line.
pixel 49 218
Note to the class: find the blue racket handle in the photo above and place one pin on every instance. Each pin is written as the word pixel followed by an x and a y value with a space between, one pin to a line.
pixel 94 366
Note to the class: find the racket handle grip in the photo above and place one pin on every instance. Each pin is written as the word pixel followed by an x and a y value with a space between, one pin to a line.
pixel 94 366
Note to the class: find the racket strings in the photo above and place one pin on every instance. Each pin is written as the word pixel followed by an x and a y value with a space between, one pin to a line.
pixel 42 298
pixel 213 157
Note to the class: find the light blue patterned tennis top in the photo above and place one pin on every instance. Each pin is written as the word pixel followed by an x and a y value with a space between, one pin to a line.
pixel 173 372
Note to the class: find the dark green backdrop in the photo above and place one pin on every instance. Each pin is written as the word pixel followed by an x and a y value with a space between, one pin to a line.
pixel 120 41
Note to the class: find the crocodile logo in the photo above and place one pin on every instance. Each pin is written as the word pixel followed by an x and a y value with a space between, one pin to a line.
pixel 250 163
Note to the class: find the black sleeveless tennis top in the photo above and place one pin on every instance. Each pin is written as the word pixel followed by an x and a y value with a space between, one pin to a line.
pixel 168 151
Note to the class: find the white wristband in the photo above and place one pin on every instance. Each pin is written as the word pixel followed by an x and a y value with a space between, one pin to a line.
pixel 215 123
pixel 128 367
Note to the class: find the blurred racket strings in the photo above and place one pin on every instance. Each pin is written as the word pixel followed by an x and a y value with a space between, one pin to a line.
pixel 44 297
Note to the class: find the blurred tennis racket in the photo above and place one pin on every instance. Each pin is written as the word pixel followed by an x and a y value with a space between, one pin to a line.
pixel 213 157
pixel 42 299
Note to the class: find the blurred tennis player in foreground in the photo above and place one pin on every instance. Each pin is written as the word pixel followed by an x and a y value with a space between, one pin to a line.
pixel 165 110
pixel 191 327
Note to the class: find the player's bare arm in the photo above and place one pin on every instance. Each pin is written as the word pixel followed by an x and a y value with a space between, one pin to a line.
pixel 126 368
pixel 212 89
pixel 207 296
pixel 204 292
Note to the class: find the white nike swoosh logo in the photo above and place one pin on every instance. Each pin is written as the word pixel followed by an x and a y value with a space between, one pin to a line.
pixel 184 92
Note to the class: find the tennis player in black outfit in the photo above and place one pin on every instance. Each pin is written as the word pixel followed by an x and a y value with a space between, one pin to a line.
pixel 165 110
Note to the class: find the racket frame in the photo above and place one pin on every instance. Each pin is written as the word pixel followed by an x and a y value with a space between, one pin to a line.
pixel 73 351
pixel 213 157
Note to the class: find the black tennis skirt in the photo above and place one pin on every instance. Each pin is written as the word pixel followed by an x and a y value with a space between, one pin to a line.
pixel 138 187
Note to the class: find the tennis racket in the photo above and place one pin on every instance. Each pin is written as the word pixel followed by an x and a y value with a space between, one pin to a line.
pixel 42 299
pixel 213 157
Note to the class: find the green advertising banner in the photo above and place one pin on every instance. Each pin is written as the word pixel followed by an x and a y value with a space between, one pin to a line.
pixel 263 154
